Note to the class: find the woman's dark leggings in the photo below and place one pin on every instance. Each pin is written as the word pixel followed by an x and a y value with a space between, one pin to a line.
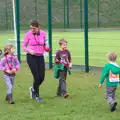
pixel 37 67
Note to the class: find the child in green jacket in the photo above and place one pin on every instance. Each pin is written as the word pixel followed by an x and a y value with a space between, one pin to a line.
pixel 111 73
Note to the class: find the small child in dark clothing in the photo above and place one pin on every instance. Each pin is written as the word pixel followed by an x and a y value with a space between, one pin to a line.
pixel 63 57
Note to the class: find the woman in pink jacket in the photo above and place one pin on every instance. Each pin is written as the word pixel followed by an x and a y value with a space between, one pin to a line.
pixel 35 45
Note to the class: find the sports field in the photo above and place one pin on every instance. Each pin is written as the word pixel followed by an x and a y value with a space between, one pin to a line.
pixel 86 101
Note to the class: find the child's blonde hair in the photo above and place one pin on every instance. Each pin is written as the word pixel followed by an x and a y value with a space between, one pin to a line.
pixel 7 49
pixel 112 56
pixel 61 41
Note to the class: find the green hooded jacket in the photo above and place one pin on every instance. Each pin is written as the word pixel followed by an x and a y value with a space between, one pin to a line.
pixel 111 73
pixel 59 67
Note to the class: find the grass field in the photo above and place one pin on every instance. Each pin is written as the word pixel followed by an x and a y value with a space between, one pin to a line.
pixel 100 43
pixel 86 101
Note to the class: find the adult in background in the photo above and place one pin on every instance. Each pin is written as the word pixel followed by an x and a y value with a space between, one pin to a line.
pixel 35 45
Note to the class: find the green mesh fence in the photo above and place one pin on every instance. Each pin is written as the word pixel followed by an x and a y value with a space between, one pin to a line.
pixel 65 13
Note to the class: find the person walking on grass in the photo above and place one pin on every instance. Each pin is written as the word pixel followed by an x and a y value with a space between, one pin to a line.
pixel 35 45
pixel 111 73
pixel 63 63
pixel 10 65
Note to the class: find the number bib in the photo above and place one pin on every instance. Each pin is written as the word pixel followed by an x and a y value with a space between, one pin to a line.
pixel 113 77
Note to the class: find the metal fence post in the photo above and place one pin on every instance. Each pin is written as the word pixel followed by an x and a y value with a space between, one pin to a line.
pixel 86 35
pixel 36 9
pixel 18 28
pixel 81 14
pixel 98 10
pixel 68 24
pixel 50 32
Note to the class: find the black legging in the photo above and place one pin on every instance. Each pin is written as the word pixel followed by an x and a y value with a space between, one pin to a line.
pixel 37 67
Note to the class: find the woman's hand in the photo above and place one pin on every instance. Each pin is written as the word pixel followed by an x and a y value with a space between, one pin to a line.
pixel 32 52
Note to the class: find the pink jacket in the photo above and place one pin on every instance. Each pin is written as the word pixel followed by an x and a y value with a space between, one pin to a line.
pixel 34 42
pixel 9 62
